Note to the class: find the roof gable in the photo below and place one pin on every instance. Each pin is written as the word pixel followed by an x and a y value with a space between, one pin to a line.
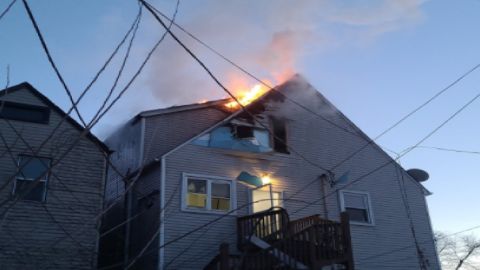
pixel 53 106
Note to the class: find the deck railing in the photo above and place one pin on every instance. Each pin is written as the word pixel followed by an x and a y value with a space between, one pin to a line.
pixel 269 226
pixel 306 243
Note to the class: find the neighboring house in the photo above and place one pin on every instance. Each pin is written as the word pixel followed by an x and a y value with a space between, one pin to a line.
pixel 200 163
pixel 51 185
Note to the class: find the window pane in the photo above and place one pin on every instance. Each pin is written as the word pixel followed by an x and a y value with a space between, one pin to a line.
pixel 221 190
pixel 33 168
pixel 197 186
pixel 355 200
pixel 30 190
pixel 197 200
pixel 359 215
pixel 220 204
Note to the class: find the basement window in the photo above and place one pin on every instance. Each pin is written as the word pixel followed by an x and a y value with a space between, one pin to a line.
pixel 279 135
pixel 24 112
pixel 357 205
pixel 207 194
pixel 31 180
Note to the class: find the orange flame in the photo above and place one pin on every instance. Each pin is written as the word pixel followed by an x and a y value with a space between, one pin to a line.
pixel 247 97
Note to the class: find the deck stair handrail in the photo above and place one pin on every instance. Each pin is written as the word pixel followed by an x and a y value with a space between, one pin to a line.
pixel 278 243
pixel 270 226
pixel 312 241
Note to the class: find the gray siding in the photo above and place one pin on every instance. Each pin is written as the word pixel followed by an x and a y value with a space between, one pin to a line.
pixel 61 232
pixel 165 132
pixel 320 143
pixel 125 144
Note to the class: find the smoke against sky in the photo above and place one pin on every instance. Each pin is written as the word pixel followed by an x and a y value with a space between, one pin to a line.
pixel 269 38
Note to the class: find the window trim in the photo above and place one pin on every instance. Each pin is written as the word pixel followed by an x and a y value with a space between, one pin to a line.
pixel 45 180
pixel 274 190
pixel 369 206
pixel 210 179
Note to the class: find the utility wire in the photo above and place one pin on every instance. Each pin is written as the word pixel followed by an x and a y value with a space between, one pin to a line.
pixel 325 196
pixel 217 81
pixel 405 152
pixel 411 113
pixel 409 246
pixel 436 95
pixel 251 75
pixel 97 75
pixel 449 150
pixel 99 115
pixel 5 11
pixel 50 59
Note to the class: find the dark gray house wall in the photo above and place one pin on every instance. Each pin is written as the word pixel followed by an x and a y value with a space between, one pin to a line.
pixel 59 233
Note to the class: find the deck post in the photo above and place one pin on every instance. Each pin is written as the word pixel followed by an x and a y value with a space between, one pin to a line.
pixel 345 221
pixel 224 256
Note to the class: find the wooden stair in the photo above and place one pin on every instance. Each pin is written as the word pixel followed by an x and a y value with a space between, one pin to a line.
pixel 269 240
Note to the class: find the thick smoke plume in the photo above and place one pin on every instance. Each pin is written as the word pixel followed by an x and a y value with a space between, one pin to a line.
pixel 272 39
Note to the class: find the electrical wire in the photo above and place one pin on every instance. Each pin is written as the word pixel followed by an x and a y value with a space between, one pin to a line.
pixel 5 11
pixel 51 61
pixel 329 194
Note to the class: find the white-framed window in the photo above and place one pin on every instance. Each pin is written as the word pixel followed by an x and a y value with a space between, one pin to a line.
pixel 357 205
pixel 31 179
pixel 264 198
pixel 203 193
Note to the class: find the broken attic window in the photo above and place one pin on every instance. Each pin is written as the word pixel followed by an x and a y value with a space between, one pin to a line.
pixel 279 135
pixel 243 132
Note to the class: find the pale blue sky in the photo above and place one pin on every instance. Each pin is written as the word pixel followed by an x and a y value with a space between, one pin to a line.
pixel 375 60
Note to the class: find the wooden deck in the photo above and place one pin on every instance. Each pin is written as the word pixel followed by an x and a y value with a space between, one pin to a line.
pixel 269 240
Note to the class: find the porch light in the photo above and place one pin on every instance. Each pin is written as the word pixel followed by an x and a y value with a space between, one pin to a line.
pixel 266 180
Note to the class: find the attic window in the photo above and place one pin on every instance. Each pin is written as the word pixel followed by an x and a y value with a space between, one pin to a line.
pixel 243 132
pixel 279 135
pixel 24 112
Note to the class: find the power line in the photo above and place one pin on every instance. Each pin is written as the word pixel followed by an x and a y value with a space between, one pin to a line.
pixel 226 90
pixel 450 150
pixel 405 152
pixel 436 95
pixel 329 194
pixel 50 59
pixel 5 11
pixel 98 116
pixel 97 75
pixel 369 141
pixel 409 246
pixel 217 81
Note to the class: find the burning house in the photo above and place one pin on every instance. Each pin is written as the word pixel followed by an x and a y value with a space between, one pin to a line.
pixel 270 187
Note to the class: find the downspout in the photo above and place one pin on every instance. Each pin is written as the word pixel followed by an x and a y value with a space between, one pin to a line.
pixel 437 257
pixel 323 180
pixel 161 249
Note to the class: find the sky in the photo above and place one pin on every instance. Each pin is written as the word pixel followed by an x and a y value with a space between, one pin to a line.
pixel 375 60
